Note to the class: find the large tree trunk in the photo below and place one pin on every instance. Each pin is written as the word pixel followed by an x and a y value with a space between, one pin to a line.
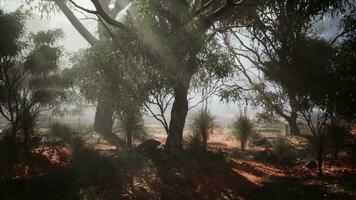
pixel 104 116
pixel 178 115
pixel 129 138
pixel 294 130
pixel 292 121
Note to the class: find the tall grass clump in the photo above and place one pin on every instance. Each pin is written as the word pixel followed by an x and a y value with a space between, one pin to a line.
pixel 202 125
pixel 243 128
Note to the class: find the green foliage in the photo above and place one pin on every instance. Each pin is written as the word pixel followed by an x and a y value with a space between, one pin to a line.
pixel 44 58
pixel 344 73
pixel 105 69
pixel 243 128
pixel 9 36
pixel 30 81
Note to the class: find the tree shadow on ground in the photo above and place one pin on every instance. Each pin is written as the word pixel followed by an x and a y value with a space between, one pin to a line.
pixel 201 176
pixel 140 175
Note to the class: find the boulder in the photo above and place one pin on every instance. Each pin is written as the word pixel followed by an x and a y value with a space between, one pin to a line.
pixel 148 146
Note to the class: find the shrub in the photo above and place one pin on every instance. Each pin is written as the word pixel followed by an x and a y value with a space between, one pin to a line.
pixel 62 131
pixel 195 143
pixel 336 134
pixel 68 135
pixel 243 129
pixel 133 126
pixel 202 122
pixel 280 147
pixel 258 140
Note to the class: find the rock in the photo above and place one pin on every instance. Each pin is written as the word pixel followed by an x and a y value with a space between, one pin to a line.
pixel 148 146
pixel 311 164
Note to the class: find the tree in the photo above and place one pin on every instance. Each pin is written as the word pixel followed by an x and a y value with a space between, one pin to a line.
pixel 104 110
pixel 277 31
pixel 30 80
pixel 341 94
pixel 326 103
pixel 172 34
pixel 10 47
pixel 319 102
pixel 123 76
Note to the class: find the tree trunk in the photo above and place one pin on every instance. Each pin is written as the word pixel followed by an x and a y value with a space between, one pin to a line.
pixel 319 157
pixel 26 133
pixel 336 150
pixel 178 115
pixel 294 130
pixel 205 139
pixel 13 133
pixel 129 138
pixel 104 116
pixel 292 121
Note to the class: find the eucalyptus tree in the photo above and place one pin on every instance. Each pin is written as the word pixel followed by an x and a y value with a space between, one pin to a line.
pixel 215 66
pixel 30 80
pixel 271 43
pixel 111 70
pixel 104 110
pixel 343 94
pixel 172 33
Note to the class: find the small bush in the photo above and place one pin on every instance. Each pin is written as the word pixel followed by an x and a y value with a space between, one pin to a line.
pixel 68 135
pixel 61 130
pixel 280 147
pixel 258 140
pixel 195 143
pixel 243 129
pixel 132 125
pixel 336 135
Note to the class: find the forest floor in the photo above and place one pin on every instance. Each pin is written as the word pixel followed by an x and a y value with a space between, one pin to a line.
pixel 56 170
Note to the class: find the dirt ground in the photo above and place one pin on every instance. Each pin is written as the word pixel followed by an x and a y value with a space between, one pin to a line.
pixel 55 170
